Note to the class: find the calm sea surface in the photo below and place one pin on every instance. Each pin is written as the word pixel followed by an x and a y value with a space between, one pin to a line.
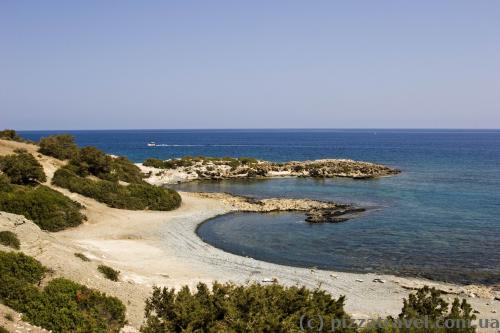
pixel 439 219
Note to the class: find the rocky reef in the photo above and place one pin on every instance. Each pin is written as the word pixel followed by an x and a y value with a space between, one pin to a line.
pixel 316 211
pixel 208 168
pixel 323 215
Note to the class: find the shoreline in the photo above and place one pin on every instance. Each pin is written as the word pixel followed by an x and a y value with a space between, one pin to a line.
pixel 162 248
pixel 186 169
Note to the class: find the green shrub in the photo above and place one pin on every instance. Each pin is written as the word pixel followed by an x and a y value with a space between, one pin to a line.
pixel 154 162
pixel 60 146
pixel 123 169
pixel 427 306
pixel 21 267
pixel 187 161
pixel 275 308
pixel 10 134
pixel 3 330
pixel 82 256
pixel 63 306
pixel 47 208
pixel 108 272
pixel 9 317
pixel 66 306
pixel 134 196
pixel 232 308
pixel 5 185
pixel 8 238
pixel 22 168
pixel 92 161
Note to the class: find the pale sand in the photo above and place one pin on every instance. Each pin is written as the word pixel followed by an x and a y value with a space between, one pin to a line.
pixel 162 248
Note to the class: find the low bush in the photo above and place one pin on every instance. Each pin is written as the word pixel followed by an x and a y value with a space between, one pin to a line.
pixel 5 185
pixel 10 134
pixel 134 196
pixel 66 306
pixel 187 161
pixel 108 272
pixel 8 238
pixel 123 169
pixel 274 308
pixel 22 168
pixel 3 330
pixel 232 308
pixel 427 308
pixel 155 163
pixel 49 209
pixel 92 161
pixel 21 267
pixel 82 256
pixel 62 306
pixel 61 146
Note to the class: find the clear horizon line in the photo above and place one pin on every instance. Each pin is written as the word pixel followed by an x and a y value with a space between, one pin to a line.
pixel 267 129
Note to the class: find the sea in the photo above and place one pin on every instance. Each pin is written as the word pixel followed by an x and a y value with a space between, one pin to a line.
pixel 439 219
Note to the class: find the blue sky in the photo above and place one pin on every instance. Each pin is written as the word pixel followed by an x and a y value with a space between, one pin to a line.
pixel 252 64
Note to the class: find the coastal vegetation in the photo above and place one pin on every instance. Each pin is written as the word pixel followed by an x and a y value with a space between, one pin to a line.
pixel 108 272
pixel 115 181
pixel 188 161
pixel 94 162
pixel 427 306
pixel 61 146
pixel 22 168
pixel 8 238
pixel 81 256
pixel 10 134
pixel 132 196
pixel 49 209
pixel 189 168
pixel 235 308
pixel 62 306
pixel 275 308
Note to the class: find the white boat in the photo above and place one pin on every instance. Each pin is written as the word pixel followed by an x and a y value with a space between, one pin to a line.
pixel 151 144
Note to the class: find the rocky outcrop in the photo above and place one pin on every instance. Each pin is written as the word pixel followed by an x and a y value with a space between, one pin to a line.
pixel 316 211
pixel 332 215
pixel 182 170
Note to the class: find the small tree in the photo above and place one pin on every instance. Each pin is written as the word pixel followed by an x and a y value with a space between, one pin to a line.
pixel 232 308
pixel 22 169
pixel 91 160
pixel 8 238
pixel 9 134
pixel 60 146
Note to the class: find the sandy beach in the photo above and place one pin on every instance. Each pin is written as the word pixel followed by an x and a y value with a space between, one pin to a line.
pixel 162 248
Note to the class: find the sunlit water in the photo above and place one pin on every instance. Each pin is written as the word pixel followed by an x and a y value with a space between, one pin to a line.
pixel 439 219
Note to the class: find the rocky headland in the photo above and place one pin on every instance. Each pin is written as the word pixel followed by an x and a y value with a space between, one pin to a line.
pixel 208 168
pixel 316 211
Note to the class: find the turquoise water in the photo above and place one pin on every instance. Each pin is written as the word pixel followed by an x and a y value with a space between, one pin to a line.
pixel 439 219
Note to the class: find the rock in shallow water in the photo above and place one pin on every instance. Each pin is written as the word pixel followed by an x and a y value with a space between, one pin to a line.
pixel 331 215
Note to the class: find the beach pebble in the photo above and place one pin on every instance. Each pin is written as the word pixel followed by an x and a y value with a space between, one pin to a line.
pixel 359 280
pixel 334 276
pixel 378 280
pixel 270 280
